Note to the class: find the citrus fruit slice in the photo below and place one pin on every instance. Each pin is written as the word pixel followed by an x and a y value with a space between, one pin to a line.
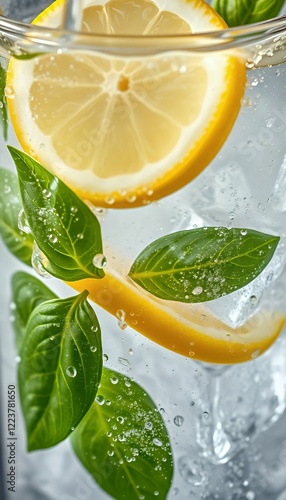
pixel 123 129
pixel 188 330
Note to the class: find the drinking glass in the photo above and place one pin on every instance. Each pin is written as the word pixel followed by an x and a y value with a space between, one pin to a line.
pixel 218 389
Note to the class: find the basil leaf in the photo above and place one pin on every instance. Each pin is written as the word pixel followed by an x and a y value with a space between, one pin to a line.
pixel 27 293
pixel 123 442
pixel 240 12
pixel 18 242
pixel 3 105
pixel 65 229
pixel 60 368
pixel 202 264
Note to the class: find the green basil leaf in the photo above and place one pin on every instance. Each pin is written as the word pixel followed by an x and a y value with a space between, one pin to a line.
pixel 240 12
pixel 27 293
pixel 18 242
pixel 65 229
pixel 60 368
pixel 123 442
pixel 202 264
pixel 3 105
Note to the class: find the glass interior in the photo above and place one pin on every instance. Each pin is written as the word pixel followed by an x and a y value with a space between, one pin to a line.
pixel 243 186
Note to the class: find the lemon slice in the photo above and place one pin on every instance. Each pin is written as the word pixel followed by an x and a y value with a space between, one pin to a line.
pixel 188 330
pixel 124 130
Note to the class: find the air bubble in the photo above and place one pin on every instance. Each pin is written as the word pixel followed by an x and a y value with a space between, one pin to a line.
pixel 148 426
pixel 9 92
pixel 253 299
pixel 23 222
pixel 249 64
pixel 178 420
pixel 255 354
pixel 40 262
pixel 120 314
pixel 122 325
pixel 71 371
pixel 250 495
pixel 131 198
pixel 100 400
pixel 46 193
pixel 183 69
pixel 105 357
pixel 52 238
pixel 123 361
pixel 157 442
pixel 99 261
pixel 109 200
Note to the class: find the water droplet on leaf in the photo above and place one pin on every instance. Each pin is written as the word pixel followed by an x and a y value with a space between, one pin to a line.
pixel 71 371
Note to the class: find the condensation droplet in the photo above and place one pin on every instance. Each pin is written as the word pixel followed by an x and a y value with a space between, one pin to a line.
pixel 114 379
pixel 197 290
pixel 130 351
pixel 253 299
pixel 105 357
pixel 93 348
pixel 71 371
pixel 18 359
pixel 243 232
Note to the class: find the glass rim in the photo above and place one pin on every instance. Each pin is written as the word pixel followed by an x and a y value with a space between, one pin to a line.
pixel 28 36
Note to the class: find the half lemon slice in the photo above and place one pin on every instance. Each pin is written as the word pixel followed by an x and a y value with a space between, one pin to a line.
pixel 188 330
pixel 124 130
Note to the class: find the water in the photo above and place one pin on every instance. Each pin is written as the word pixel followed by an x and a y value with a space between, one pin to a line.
pixel 243 187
